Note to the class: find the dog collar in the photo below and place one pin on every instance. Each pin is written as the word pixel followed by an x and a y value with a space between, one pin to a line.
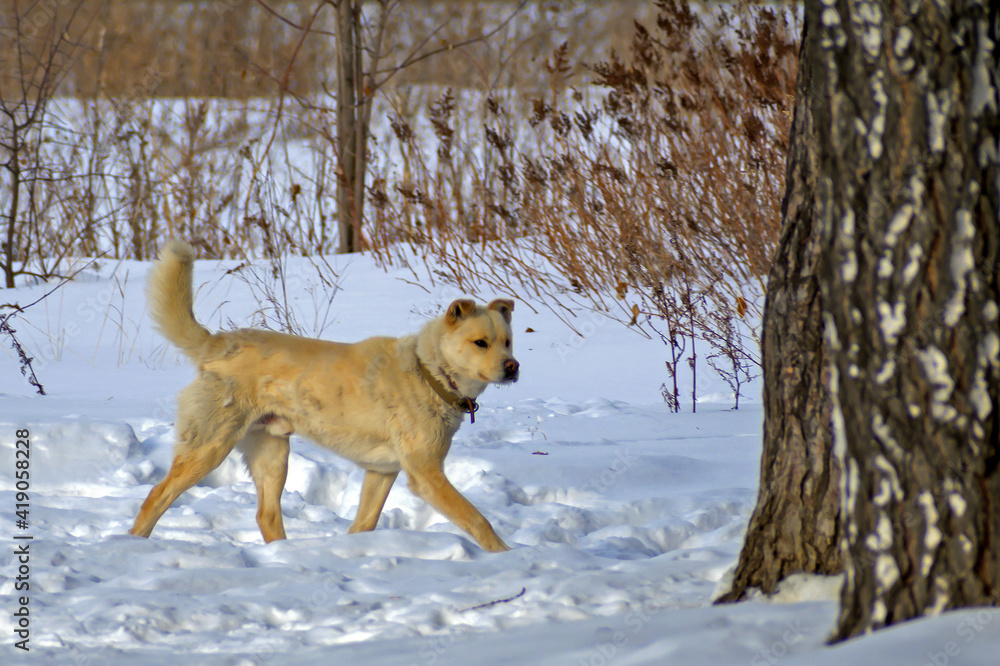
pixel 458 401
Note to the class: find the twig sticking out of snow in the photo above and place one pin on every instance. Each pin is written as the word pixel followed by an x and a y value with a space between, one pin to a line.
pixel 498 601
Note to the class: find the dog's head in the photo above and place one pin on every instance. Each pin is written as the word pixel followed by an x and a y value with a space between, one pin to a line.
pixel 478 342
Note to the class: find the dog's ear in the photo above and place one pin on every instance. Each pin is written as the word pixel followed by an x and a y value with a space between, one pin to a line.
pixel 459 310
pixel 502 305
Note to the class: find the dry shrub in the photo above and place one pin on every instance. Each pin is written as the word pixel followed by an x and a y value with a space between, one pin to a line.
pixel 660 203
pixel 34 54
pixel 241 48
pixel 106 163
pixel 218 48
pixel 162 112
pixel 514 57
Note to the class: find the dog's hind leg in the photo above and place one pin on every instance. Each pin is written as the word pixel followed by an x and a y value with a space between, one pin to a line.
pixel 189 467
pixel 205 437
pixel 266 456
pixel 374 490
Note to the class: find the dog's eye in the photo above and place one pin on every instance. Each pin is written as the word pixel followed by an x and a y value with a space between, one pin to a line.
pixel 507 344
pixel 482 343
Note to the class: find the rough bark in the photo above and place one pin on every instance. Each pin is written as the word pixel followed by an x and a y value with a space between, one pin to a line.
pixel 794 527
pixel 908 196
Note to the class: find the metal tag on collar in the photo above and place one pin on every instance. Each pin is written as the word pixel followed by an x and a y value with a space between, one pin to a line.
pixel 473 407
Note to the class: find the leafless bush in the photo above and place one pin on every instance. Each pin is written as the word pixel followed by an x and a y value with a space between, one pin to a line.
pixel 24 360
pixel 174 107
pixel 275 288
pixel 34 56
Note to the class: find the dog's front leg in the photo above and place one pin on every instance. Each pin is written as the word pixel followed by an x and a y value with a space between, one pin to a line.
pixel 428 481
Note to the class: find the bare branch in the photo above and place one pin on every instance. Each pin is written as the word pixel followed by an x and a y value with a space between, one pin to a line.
pixel 414 58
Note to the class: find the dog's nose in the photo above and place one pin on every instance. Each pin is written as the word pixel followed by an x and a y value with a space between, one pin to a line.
pixel 510 368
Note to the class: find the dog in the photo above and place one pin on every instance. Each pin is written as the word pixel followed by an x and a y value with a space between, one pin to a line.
pixel 388 404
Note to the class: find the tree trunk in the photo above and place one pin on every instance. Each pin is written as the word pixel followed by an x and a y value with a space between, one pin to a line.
pixel 908 197
pixel 14 167
pixel 794 527
pixel 348 207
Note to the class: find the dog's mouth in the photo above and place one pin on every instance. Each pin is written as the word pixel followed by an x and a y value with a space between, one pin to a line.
pixel 510 379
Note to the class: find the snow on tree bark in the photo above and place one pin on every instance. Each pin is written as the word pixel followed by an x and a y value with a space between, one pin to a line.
pixel 908 198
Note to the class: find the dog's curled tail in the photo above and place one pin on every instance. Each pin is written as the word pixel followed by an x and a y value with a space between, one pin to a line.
pixel 170 295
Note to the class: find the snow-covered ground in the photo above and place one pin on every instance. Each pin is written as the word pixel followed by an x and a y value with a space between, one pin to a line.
pixel 623 518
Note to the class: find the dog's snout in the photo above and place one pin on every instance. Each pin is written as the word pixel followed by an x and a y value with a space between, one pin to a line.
pixel 510 368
